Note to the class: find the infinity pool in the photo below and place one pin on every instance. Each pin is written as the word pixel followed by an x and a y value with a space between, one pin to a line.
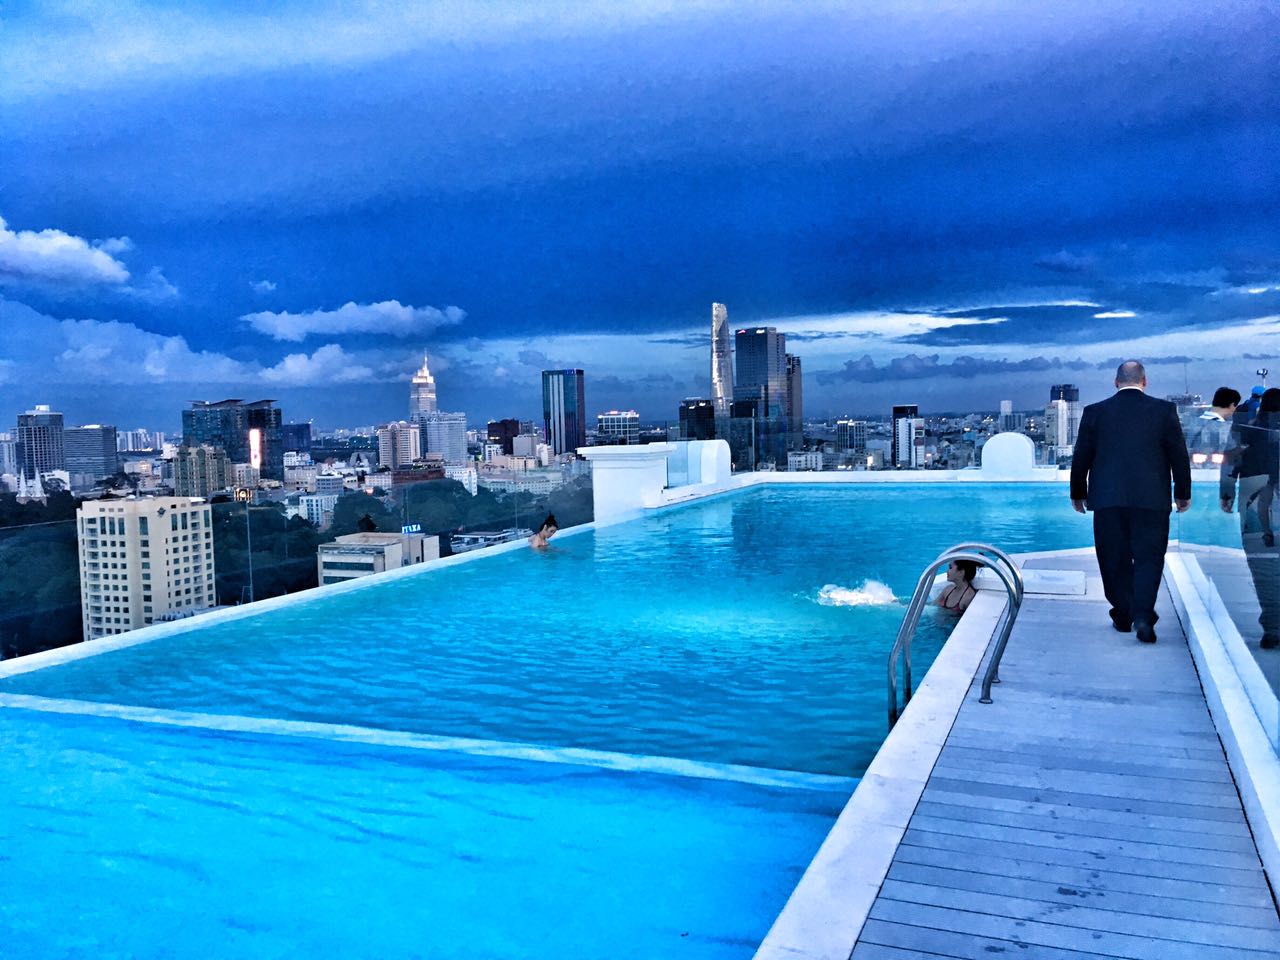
pixel 743 637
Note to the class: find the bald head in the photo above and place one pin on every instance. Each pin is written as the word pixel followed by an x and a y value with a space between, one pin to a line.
pixel 1131 373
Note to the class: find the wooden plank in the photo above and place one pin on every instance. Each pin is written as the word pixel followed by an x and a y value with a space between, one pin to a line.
pixel 1093 877
pixel 1095 846
pixel 947 943
pixel 1191 906
pixel 1134 764
pixel 1238 842
pixel 1075 858
pixel 1218 793
pixel 1084 917
pixel 1057 935
pixel 1190 811
pixel 969 732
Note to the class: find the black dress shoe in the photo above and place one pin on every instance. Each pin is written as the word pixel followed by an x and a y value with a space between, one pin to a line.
pixel 1120 623
pixel 1146 632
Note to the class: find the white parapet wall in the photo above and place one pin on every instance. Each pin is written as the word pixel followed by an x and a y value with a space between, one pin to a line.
pixel 627 479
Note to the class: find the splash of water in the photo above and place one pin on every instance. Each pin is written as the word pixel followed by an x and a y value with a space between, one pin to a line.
pixel 872 593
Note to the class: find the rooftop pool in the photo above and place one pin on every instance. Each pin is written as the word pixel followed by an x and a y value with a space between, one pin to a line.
pixel 638 738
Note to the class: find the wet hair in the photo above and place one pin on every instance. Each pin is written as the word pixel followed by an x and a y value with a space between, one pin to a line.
pixel 1270 401
pixel 1225 397
pixel 550 522
pixel 968 568
pixel 1131 373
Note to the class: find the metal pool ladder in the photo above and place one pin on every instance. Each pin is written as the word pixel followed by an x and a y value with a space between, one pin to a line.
pixel 981 553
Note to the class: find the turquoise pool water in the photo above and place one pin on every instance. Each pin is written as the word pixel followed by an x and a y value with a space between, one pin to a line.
pixel 719 632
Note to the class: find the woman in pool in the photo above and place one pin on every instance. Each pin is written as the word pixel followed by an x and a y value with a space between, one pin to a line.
pixel 959 591
pixel 549 527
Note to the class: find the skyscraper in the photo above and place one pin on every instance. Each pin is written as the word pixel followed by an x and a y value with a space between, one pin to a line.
pixel 422 393
pixel 445 434
pixel 795 400
pixel 200 471
pixel 143 561
pixel 851 436
pixel 564 407
pixel 90 453
pixel 1069 394
pixel 249 432
pixel 504 433
pixel 296 437
pixel 761 366
pixel 697 419
pixel 908 436
pixel 721 360
pixel 40 445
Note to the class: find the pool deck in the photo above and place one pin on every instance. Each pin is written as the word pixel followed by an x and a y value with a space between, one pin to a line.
pixel 1089 812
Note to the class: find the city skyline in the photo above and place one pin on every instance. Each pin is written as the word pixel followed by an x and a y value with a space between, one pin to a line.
pixel 918 237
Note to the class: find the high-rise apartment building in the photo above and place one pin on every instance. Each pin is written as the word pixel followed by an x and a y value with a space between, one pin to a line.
pixel 143 560
pixel 908 437
pixel 399 444
pixel 721 361
pixel 200 471
pixel 851 436
pixel 39 441
pixel 564 409
pixel 91 454
pixel 249 432
pixel 621 427
pixel 697 419
pixel 504 432
pixel 8 455
pixel 445 434
pixel 422 393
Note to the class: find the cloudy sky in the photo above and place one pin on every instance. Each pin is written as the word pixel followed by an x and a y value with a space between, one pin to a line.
pixel 941 202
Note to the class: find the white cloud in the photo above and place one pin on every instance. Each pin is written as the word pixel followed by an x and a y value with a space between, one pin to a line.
pixel 114 245
pixel 58 258
pixel 153 288
pixel 1114 315
pixel 328 364
pixel 389 317
pixel 262 286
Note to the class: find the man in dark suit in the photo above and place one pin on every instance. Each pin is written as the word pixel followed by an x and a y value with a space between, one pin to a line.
pixel 1128 450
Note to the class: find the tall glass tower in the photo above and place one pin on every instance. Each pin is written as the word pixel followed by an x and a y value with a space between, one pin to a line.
pixel 422 394
pixel 721 360
pixel 564 407
pixel 39 437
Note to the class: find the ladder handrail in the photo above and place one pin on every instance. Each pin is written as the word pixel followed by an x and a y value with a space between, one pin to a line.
pixel 1014 588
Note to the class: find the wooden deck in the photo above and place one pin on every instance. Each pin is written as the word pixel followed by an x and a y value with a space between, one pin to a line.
pixel 1088 813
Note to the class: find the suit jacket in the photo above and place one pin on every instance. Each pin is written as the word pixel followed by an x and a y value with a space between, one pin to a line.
pixel 1129 448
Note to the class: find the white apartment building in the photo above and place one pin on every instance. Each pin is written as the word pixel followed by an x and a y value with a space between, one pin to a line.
pixel 399 444
pixel 804 460
pixel 445 434
pixel 143 560
pixel 362 554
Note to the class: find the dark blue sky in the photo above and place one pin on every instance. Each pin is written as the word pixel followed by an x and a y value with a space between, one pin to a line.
pixel 948 203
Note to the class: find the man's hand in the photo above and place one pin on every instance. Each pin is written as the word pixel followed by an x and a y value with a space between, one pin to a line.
pixel 1079 505
pixel 1182 505
pixel 1227 504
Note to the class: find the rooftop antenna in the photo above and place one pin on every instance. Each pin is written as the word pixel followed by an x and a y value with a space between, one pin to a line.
pixel 1186 384
pixel 1262 372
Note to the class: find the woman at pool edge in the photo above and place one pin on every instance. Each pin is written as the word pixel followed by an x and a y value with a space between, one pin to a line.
pixel 959 591
pixel 548 530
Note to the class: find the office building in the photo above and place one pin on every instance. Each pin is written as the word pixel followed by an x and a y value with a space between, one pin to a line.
pixel 445 434
pixel 1008 420
pixel 143 560
pixel 761 379
pixel 8 455
pixel 330 484
pixel 795 399
pixel 504 432
pixel 422 393
pixel 39 442
pixel 318 508
pixel 618 427
pixel 721 361
pixel 362 554
pixel 851 436
pixel 249 432
pixel 564 408
pixel 296 437
pixel 804 460
pixel 399 444
pixel 526 445
pixel 200 471
pixel 908 437
pixel 91 454
pixel 698 419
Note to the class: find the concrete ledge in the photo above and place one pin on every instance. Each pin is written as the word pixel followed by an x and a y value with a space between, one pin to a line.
pixel 825 913
pixel 1249 747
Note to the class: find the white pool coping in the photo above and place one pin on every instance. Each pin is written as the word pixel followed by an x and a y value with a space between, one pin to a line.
pixel 1239 699
pixel 827 910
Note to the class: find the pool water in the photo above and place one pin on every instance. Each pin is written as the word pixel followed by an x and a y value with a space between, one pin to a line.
pixel 746 630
